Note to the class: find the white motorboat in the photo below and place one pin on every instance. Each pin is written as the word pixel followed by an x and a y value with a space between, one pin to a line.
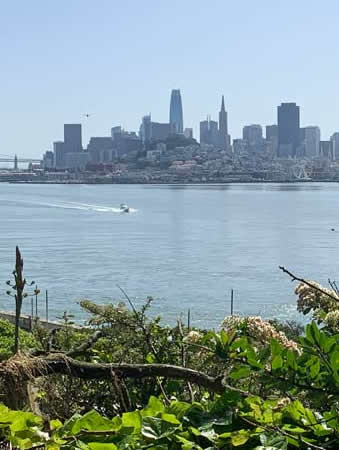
pixel 124 208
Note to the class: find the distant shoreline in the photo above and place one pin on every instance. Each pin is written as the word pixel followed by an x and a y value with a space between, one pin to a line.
pixel 179 183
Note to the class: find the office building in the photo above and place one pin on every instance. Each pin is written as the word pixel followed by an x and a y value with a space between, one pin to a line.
pixel 311 141
pixel 252 134
pixel 176 114
pixel 209 133
pixel 272 137
pixel 288 129
pixel 59 155
pixel 125 142
pixel 100 150
pixel 326 150
pixel 72 137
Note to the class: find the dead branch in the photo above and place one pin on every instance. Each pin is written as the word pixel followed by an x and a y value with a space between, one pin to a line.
pixel 295 278
pixel 61 364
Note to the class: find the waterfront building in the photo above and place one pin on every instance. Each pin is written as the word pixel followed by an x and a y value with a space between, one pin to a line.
pixel 288 129
pixel 176 115
pixel 335 146
pixel 209 133
pixel 224 139
pixel 73 137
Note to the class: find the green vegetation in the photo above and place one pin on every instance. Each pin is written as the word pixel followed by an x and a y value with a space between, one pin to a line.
pixel 128 382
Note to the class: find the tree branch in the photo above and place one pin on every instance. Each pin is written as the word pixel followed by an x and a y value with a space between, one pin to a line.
pixel 62 364
pixel 295 278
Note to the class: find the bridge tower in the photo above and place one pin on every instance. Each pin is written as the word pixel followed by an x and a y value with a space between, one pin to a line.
pixel 15 162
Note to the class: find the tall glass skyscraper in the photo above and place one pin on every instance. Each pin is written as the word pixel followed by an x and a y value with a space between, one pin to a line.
pixel 176 116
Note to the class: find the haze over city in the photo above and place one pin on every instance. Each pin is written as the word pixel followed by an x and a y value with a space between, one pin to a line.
pixel 119 62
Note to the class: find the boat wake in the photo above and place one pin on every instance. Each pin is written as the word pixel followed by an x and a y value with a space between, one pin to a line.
pixel 86 207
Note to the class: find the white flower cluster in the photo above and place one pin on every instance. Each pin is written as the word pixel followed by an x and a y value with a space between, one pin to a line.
pixel 193 337
pixel 332 320
pixel 321 304
pixel 259 329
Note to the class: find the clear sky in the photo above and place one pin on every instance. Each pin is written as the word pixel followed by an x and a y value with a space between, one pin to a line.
pixel 119 59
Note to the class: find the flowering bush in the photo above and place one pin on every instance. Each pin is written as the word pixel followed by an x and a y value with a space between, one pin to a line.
pixel 320 301
pixel 259 329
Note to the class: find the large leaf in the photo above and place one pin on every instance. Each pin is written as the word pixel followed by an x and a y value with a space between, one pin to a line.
pixel 93 421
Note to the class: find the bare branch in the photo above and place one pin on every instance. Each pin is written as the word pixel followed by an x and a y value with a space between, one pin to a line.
pixel 295 278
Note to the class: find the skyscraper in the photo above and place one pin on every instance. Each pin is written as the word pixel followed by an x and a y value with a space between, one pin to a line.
pixel 288 129
pixel 223 127
pixel 176 116
pixel 72 137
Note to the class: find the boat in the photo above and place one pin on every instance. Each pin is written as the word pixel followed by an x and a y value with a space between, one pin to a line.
pixel 124 208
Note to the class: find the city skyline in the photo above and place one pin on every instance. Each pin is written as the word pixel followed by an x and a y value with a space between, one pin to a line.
pixel 257 55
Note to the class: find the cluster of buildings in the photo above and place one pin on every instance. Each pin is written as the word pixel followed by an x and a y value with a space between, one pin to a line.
pixel 286 151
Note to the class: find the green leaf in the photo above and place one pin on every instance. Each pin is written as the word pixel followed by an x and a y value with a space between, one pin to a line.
pixel 271 441
pixel 170 418
pixel 150 358
pixel 276 347
pixel 55 424
pixel 93 421
pixel 315 332
pixel 314 369
pixel 241 372
pixel 178 408
pixel 154 407
pixel 101 446
pixel 132 420
pixel 334 360
pixel 240 437
pixel 277 362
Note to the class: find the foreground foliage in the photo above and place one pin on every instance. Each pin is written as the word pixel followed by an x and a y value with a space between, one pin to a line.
pixel 274 397
pixel 128 382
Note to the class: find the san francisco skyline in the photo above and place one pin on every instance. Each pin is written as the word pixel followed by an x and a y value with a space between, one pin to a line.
pixel 64 60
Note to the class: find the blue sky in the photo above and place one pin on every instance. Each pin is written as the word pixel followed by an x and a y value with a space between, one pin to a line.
pixel 120 59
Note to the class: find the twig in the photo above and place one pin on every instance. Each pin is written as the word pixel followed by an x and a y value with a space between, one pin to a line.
pixel 295 278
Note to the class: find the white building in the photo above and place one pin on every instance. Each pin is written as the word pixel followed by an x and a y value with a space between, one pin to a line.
pixel 312 141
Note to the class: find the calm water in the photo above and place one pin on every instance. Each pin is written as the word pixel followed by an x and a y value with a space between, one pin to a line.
pixel 186 246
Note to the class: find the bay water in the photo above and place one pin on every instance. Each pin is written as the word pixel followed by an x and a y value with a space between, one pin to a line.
pixel 186 246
